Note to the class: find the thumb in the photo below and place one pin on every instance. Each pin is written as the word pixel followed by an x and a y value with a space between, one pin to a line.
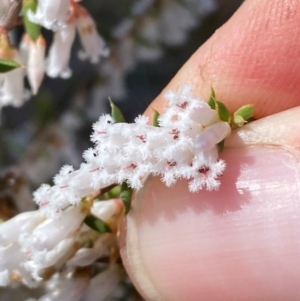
pixel 239 243
pixel 242 242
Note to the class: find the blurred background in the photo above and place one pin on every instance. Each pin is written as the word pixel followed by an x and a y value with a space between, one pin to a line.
pixel 149 41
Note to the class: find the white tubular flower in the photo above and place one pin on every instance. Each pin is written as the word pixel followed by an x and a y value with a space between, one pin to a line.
pixel 93 45
pixel 52 231
pixel 59 53
pixel 11 256
pixel 51 14
pixel 12 90
pixel 36 63
pixel 55 259
pixel 103 284
pixel 86 256
pixel 24 222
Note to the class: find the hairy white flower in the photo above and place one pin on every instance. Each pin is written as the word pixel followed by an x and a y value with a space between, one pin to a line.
pixel 184 146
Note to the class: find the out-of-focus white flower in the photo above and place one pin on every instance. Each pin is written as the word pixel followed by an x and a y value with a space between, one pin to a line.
pixel 59 53
pixel 66 288
pixel 51 14
pixel 103 284
pixel 12 91
pixel 93 45
pixel 11 256
pixel 36 62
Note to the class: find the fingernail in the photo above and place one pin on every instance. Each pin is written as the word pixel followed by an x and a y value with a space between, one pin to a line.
pixel 239 243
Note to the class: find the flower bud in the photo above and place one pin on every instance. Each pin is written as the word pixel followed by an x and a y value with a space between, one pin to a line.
pixel 35 63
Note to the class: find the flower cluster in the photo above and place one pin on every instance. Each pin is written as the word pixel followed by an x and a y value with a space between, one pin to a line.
pixel 59 240
pixel 183 146
pixel 33 248
pixel 64 17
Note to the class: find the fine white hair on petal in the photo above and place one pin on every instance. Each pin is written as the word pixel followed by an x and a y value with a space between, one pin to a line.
pixel 141 120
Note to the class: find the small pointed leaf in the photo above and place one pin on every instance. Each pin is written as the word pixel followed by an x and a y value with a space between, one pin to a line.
pixel 223 111
pixel 155 118
pixel 8 65
pixel 116 112
pixel 212 99
pixel 239 120
pixel 97 224
pixel 245 112
pixel 32 29
pixel 125 195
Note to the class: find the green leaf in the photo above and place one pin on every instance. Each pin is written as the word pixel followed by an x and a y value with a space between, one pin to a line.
pixel 97 224
pixel 220 145
pixel 212 99
pixel 155 118
pixel 113 193
pixel 32 29
pixel 125 195
pixel 239 120
pixel 116 113
pixel 245 112
pixel 8 65
pixel 222 111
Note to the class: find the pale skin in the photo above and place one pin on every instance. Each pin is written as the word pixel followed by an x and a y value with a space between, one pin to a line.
pixel 241 243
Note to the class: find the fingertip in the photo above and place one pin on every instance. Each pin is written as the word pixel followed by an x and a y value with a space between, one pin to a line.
pixel 240 243
pixel 253 58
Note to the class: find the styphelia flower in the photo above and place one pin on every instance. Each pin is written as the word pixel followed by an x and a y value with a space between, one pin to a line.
pixel 60 51
pixel 12 91
pixel 51 14
pixel 11 256
pixel 184 146
pixel 62 238
pixel 93 44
